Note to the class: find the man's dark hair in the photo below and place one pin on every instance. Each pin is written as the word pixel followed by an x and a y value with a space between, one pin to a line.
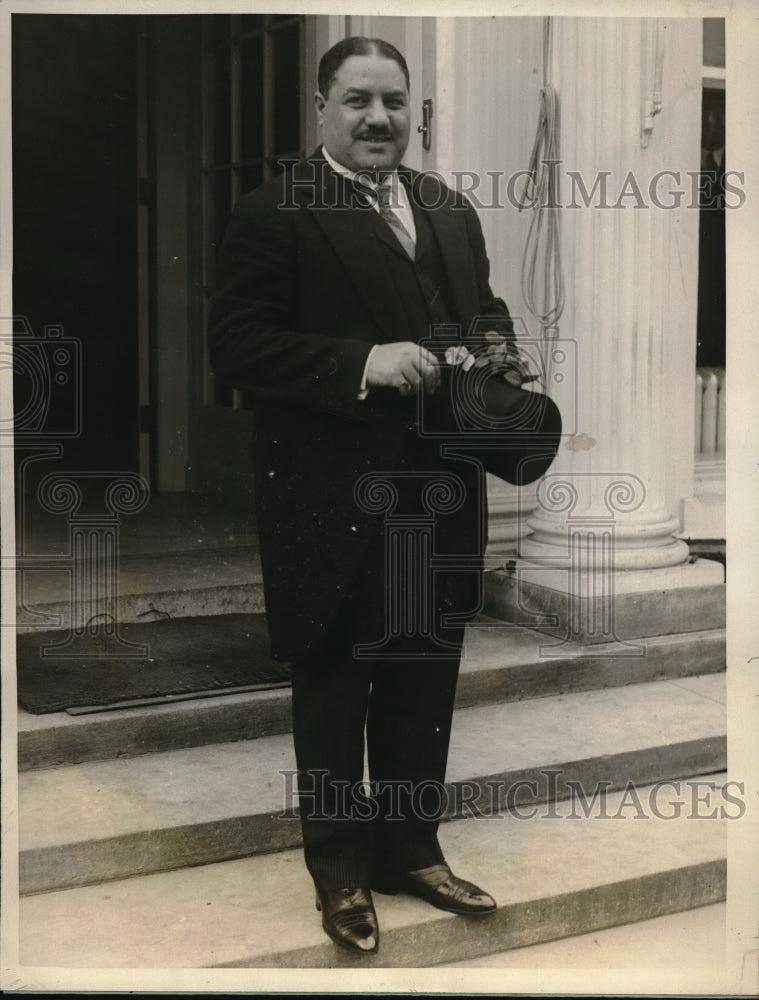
pixel 356 45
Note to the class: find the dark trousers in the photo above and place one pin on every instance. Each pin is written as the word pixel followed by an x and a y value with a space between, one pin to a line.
pixel 397 705
pixel 402 712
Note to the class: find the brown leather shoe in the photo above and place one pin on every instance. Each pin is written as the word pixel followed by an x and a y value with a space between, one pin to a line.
pixel 348 917
pixel 440 887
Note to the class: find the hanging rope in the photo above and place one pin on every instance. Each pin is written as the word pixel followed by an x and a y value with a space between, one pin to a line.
pixel 542 277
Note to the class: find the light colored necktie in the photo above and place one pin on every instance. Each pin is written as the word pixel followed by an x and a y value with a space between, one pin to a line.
pixel 384 197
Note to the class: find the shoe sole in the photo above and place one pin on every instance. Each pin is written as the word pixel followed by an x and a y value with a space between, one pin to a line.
pixel 450 909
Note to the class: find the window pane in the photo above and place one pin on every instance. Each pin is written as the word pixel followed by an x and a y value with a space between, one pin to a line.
pixel 220 28
pixel 250 22
pixel 222 203
pixel 221 105
pixel 251 98
pixel 287 89
pixel 714 41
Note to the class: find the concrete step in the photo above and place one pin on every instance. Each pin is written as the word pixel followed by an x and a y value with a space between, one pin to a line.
pixel 104 820
pixel 501 663
pixel 688 939
pixel 686 598
pixel 213 581
pixel 557 875
pixel 178 543
pixel 171 522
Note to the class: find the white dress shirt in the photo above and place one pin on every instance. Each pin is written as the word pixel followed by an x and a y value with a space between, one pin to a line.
pixel 399 201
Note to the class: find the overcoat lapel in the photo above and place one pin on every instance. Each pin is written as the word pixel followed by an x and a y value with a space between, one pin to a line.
pixel 339 210
pixel 425 190
pixel 385 235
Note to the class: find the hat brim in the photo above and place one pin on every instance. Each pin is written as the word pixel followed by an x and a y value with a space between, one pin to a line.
pixel 514 432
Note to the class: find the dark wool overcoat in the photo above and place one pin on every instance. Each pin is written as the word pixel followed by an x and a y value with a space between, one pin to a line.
pixel 307 281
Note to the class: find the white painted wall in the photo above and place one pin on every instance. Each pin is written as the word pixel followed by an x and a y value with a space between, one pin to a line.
pixel 489 72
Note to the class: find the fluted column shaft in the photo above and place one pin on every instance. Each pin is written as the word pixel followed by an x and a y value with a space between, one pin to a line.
pixel 631 294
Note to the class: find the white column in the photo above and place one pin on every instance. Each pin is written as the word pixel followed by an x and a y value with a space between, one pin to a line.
pixel 631 271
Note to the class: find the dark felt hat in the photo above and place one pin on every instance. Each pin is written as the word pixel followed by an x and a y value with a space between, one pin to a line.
pixel 513 431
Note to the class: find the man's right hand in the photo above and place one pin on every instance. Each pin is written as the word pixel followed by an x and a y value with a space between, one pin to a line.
pixel 405 367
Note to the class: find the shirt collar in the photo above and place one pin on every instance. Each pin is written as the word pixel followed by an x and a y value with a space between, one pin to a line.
pixel 391 177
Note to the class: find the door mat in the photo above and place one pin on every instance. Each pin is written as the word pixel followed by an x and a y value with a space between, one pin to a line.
pixel 182 657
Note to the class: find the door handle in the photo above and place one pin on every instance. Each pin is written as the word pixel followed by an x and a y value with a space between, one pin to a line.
pixel 426 127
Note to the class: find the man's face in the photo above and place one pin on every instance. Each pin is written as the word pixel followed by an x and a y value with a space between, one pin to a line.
pixel 365 117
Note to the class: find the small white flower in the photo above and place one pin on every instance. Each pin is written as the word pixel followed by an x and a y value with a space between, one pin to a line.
pixel 459 355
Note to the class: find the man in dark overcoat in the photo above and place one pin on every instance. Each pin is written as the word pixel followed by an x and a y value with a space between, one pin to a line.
pixel 335 282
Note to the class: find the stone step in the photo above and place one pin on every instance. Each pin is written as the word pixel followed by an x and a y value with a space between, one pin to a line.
pixel 556 875
pixel 686 598
pixel 104 820
pixel 501 663
pixel 182 556
pixel 689 939
pixel 178 584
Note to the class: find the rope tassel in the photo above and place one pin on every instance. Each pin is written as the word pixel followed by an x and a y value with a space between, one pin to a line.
pixel 542 254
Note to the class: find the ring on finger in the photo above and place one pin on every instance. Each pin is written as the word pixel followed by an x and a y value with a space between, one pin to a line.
pixel 405 386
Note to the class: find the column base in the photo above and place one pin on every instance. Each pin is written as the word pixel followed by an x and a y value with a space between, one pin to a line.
pixel 504 542
pixel 635 604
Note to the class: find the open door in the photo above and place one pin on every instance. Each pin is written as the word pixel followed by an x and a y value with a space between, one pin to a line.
pixel 75 233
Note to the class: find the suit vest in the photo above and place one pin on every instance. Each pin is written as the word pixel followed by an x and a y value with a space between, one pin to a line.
pixel 421 285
